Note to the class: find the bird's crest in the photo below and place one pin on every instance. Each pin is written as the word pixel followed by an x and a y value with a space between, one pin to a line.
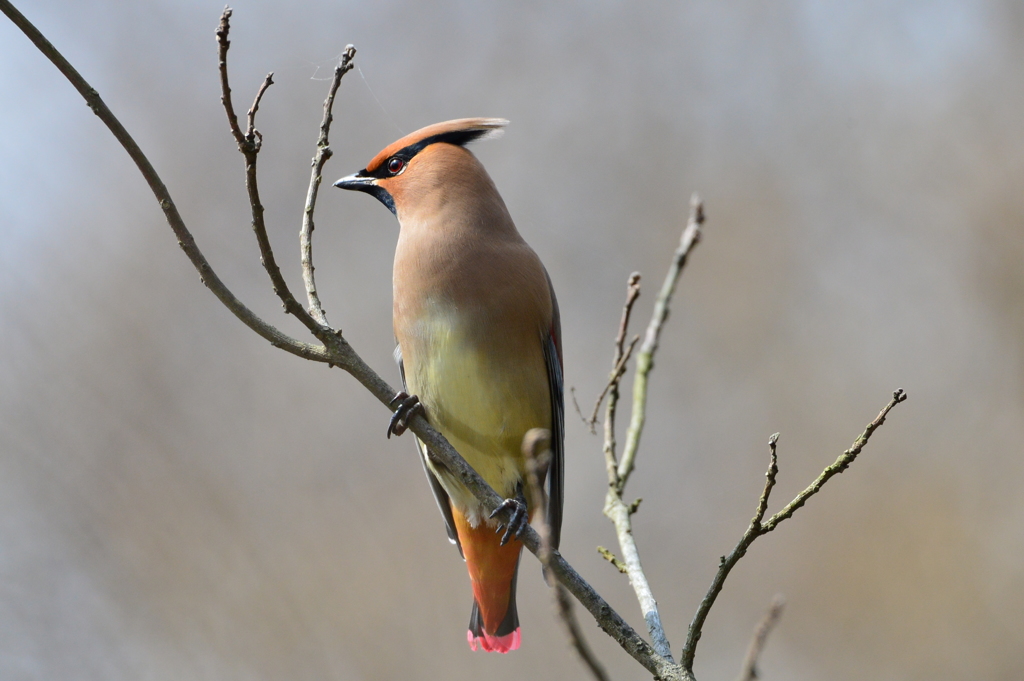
pixel 459 132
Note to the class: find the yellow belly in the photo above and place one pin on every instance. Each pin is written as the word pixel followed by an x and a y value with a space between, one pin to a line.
pixel 483 394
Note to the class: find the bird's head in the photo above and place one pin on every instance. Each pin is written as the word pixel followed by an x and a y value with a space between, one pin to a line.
pixel 401 162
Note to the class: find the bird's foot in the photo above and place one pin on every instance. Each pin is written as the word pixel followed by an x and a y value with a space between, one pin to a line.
pixel 408 406
pixel 517 518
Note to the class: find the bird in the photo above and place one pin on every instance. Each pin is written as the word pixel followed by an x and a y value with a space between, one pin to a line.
pixel 479 349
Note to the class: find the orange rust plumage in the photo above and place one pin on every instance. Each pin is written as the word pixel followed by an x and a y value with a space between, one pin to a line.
pixel 492 573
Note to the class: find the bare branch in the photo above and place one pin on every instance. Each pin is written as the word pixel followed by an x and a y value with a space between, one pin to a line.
pixel 619 514
pixel 323 153
pixel 618 472
pixel 645 360
pixel 576 404
pixel 769 480
pixel 613 381
pixel 840 465
pixel 610 463
pixel 252 135
pixel 537 452
pixel 225 98
pixel 726 564
pixel 621 356
pixel 749 670
pixel 576 634
pixel 757 528
pixel 163 197
pixel 614 508
pixel 632 293
pixel 612 388
pixel 250 145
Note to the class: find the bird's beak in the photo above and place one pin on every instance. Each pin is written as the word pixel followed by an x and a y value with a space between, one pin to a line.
pixel 362 183
pixel 357 182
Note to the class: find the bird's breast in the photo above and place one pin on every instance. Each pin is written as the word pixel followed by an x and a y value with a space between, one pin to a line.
pixel 483 384
pixel 472 310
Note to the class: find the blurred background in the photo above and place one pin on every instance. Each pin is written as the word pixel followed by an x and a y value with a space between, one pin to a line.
pixel 179 500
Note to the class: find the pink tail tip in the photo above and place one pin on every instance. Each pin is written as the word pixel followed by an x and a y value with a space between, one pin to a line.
pixel 494 644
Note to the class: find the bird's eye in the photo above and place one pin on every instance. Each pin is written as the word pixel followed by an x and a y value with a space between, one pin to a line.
pixel 395 165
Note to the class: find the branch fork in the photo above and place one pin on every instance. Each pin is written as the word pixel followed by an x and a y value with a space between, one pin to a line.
pixel 619 471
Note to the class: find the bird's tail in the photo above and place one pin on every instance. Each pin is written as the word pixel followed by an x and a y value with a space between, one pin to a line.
pixel 494 622
pixel 506 638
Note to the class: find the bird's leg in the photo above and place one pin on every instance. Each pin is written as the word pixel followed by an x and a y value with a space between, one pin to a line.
pixel 408 406
pixel 517 518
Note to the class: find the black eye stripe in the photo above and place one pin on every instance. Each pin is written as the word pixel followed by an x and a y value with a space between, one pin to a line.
pixel 459 138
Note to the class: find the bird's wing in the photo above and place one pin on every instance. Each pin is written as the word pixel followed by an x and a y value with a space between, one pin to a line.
pixel 440 496
pixel 556 475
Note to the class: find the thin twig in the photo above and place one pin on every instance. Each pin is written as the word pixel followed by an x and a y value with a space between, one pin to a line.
pixel 613 381
pixel 645 360
pixel 185 239
pixel 576 404
pixel 323 153
pixel 252 135
pixel 757 528
pixel 609 420
pixel 610 557
pixel 612 387
pixel 748 672
pixel 576 634
pixel 537 452
pixel 225 98
pixel 769 480
pixel 621 356
pixel 614 507
pixel 632 293
pixel 250 147
pixel 840 465
pixel 726 563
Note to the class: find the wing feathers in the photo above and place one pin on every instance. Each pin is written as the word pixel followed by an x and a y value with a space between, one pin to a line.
pixel 440 496
pixel 556 477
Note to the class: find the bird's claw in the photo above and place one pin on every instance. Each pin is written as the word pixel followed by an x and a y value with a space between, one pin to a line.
pixel 517 520
pixel 408 406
